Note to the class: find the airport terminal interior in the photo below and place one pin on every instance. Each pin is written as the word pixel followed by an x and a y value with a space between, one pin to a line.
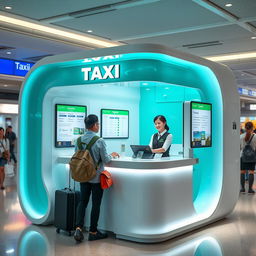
pixel 128 61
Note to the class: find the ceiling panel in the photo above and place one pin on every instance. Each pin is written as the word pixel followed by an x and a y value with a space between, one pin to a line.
pixel 27 46
pixel 9 85
pixel 239 7
pixel 151 18
pixel 43 9
pixel 234 38
pixel 173 23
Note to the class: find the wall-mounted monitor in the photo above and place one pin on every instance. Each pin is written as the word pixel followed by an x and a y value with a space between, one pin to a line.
pixel 201 124
pixel 114 124
pixel 69 124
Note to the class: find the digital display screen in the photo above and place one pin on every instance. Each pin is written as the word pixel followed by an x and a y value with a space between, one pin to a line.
pixel 114 124
pixel 201 125
pixel 69 124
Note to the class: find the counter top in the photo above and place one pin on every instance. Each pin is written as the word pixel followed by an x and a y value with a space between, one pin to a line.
pixel 137 163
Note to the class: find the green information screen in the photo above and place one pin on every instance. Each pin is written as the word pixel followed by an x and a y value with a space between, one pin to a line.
pixel 201 125
pixel 69 124
pixel 114 124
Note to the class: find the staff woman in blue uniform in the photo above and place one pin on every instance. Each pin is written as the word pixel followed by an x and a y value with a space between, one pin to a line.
pixel 161 141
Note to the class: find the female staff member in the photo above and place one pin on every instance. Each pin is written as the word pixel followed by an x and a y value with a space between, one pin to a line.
pixel 160 142
pixel 4 156
pixel 247 138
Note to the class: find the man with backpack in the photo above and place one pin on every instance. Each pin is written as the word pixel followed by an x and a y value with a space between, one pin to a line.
pixel 99 154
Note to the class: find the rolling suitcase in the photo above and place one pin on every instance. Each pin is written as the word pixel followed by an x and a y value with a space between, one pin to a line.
pixel 66 201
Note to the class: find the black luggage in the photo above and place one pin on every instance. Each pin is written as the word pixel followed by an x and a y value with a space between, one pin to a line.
pixel 66 201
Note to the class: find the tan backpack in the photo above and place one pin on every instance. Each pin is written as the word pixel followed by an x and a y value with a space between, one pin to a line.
pixel 82 166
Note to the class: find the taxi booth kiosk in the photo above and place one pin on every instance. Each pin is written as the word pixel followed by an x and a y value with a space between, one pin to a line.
pixel 152 199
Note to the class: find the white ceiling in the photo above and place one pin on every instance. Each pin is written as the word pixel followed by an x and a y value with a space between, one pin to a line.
pixel 179 24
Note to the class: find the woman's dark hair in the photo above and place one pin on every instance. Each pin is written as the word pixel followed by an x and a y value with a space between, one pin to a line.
pixel 248 128
pixel 162 119
pixel 90 121
pixel 1 128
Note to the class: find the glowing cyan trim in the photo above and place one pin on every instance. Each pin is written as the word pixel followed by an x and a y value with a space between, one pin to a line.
pixel 135 67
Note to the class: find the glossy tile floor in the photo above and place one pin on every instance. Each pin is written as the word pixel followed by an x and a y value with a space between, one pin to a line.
pixel 235 235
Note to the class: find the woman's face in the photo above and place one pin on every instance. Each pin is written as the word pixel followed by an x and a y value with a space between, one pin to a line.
pixel 249 130
pixel 160 126
pixel 2 132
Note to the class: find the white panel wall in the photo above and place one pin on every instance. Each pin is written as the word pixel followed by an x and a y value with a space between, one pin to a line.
pixel 95 97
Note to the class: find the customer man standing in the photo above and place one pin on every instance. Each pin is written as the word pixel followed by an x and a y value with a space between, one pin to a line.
pixel 11 136
pixel 100 156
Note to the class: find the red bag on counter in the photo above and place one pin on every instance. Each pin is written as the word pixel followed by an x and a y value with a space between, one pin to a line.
pixel 105 180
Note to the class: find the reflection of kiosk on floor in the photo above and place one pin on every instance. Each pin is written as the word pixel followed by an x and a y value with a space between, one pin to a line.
pixel 151 199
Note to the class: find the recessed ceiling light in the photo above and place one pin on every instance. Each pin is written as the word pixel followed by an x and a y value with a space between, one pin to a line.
pixel 89 31
pixel 8 7
pixel 144 83
pixel 228 5
pixel 5 85
pixel 8 53
pixel 147 89
pixel 253 37
pixel 10 251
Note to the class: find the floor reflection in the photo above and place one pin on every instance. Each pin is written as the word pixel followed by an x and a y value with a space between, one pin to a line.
pixel 234 236
pixel 45 241
pixel 34 239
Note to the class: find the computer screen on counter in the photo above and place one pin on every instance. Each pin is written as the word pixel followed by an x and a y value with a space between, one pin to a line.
pixel 114 124
pixel 69 124
pixel 201 124
pixel 142 151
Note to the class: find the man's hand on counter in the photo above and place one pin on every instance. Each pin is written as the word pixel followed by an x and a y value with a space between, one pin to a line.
pixel 115 155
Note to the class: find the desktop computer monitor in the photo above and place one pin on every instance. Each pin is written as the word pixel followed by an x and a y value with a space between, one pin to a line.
pixel 141 151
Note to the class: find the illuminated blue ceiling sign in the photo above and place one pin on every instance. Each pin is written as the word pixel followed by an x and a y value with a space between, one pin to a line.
pixel 14 67
pixel 247 92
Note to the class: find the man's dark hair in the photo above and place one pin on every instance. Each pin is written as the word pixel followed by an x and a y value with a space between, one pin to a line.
pixel 9 126
pixel 90 121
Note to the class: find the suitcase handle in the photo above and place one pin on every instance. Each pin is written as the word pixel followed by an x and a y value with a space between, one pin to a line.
pixel 69 187
pixel 69 182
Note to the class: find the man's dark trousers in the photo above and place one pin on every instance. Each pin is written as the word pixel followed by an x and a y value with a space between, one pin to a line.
pixel 87 189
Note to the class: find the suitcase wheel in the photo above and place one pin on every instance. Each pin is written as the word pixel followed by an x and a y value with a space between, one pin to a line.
pixel 58 230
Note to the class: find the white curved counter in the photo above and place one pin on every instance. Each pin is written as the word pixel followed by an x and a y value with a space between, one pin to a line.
pixel 150 198
pixel 137 163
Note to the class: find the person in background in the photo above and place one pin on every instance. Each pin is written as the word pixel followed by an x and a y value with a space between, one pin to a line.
pixel 247 137
pixel 4 156
pixel 99 154
pixel 11 136
pixel 161 141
